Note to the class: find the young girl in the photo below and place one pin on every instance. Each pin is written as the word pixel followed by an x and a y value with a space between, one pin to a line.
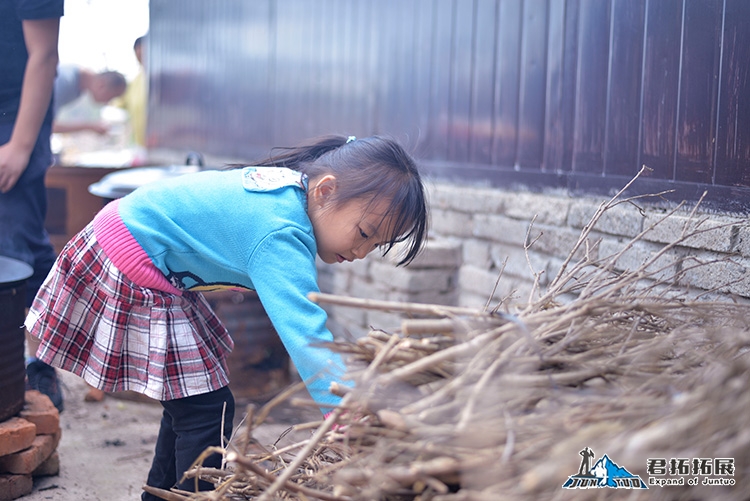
pixel 122 307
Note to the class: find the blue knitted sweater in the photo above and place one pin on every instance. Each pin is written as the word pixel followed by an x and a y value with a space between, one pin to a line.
pixel 242 228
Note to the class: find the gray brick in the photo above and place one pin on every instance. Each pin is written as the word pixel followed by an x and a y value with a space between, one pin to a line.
pixel 742 240
pixel 694 294
pixel 440 253
pixel 555 241
pixel 476 252
pixel 451 223
pixel 423 297
pixel 354 286
pixel 510 290
pixel 507 294
pixel 519 266
pixel 573 277
pixel 326 278
pixel 388 322
pixel 724 275
pixel 553 267
pixel 338 330
pixel 466 199
pixel 624 219
pixel 621 220
pixel 341 282
pixel 412 280
pixel 545 265
pixel 515 261
pixel 346 316
pixel 476 280
pixel 547 208
pixel 609 247
pixel 472 300
pixel 716 234
pixel 522 292
pixel 356 331
pixel 500 229
pixel 581 211
pixel 365 288
pixel 636 255
pixel 360 267
pixel 437 253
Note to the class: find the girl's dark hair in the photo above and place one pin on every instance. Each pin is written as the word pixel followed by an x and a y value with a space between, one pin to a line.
pixel 373 167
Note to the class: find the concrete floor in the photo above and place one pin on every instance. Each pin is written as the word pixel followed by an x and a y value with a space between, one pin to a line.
pixel 107 447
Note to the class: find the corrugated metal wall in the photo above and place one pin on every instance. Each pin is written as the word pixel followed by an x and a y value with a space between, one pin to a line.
pixel 576 93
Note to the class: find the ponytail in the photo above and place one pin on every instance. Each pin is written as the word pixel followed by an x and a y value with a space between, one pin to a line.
pixel 295 157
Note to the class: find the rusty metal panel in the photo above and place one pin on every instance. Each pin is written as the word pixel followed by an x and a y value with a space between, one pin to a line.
pixel 533 81
pixel 483 76
pixel 623 99
pixel 358 95
pixel 562 72
pixel 439 90
pixel 554 125
pixel 460 81
pixel 699 77
pixel 395 74
pixel 592 80
pixel 293 63
pixel 567 89
pixel 660 86
pixel 209 70
pixel 733 130
pixel 423 55
pixel 507 83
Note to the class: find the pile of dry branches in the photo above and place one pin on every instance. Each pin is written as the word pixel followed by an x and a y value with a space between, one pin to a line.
pixel 490 405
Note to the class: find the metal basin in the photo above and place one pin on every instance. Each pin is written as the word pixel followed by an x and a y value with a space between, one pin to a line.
pixel 120 183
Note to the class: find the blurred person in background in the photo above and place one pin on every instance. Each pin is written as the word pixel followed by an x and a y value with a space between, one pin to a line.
pixel 29 32
pixel 135 98
pixel 74 85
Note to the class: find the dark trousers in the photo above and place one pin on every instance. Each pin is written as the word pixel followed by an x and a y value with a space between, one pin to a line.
pixel 189 426
pixel 23 210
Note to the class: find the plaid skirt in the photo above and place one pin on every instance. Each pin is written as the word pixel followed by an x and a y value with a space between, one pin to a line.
pixel 96 323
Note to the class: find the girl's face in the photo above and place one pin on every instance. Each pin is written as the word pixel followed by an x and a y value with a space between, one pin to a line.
pixel 349 231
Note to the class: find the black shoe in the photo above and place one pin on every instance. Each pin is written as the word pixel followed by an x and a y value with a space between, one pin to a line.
pixel 42 377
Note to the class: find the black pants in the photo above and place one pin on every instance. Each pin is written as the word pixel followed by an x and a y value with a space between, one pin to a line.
pixel 23 210
pixel 189 426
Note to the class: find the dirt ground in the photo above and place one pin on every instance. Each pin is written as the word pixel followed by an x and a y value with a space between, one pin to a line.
pixel 107 447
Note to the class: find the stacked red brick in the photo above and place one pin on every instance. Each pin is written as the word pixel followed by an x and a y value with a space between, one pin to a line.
pixel 28 446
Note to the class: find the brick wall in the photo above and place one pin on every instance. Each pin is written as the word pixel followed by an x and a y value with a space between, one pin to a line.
pixel 477 232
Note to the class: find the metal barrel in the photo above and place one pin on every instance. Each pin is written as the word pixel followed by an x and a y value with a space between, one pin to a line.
pixel 13 276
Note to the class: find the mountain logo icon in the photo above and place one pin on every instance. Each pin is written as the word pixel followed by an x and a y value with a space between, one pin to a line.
pixel 604 473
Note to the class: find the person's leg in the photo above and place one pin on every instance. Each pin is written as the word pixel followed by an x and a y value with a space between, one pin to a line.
pixel 23 236
pixel 40 376
pixel 23 211
pixel 190 425
pixel 163 474
pixel 43 378
pixel 199 427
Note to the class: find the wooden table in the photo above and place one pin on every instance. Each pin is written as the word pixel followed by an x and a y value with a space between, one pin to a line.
pixel 70 206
